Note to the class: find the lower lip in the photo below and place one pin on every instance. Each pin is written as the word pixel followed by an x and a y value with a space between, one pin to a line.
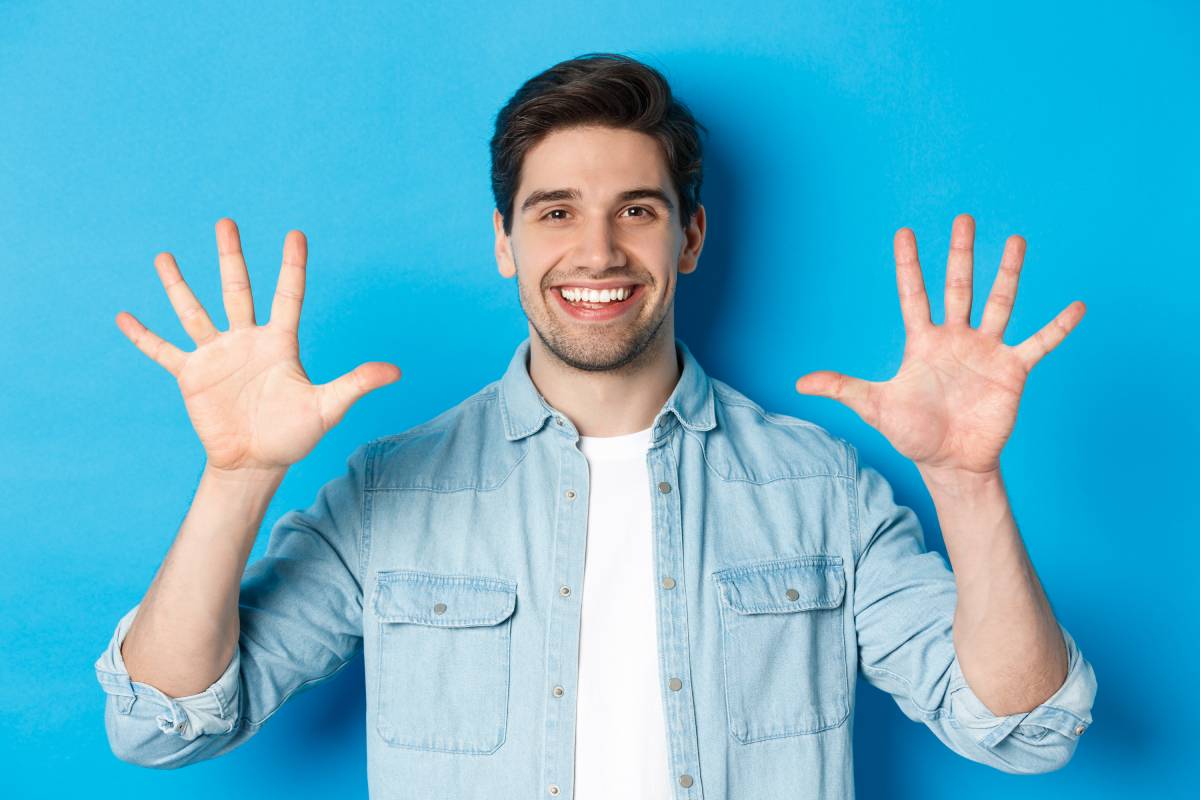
pixel 607 311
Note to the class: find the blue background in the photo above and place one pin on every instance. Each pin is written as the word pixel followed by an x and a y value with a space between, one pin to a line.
pixel 130 129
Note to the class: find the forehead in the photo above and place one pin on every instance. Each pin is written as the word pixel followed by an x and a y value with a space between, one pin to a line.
pixel 596 159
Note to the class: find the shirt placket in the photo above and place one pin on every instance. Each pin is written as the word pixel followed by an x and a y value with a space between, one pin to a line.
pixel 675 677
pixel 562 647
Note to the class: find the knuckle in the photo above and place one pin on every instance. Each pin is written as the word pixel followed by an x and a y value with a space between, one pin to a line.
pixel 1001 299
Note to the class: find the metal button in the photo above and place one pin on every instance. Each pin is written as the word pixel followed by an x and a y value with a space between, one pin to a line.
pixel 558 691
pixel 668 582
pixel 685 780
pixel 553 789
pixel 675 684
pixel 570 494
pixel 1079 729
pixel 792 594
pixel 564 590
pixel 664 487
pixel 440 608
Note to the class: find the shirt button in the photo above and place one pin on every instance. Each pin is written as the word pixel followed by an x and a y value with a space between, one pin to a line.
pixel 792 594
pixel 564 590
pixel 685 780
pixel 668 582
pixel 559 421
pixel 1079 729
pixel 675 684
pixel 440 608
pixel 558 691
pixel 553 789
pixel 664 487
pixel 570 494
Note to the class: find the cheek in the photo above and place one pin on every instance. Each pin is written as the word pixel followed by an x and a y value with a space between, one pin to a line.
pixel 532 264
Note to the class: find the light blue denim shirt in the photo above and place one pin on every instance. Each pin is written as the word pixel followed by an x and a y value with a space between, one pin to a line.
pixel 453 555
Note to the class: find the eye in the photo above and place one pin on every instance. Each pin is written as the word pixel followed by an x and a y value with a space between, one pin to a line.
pixel 647 212
pixel 554 211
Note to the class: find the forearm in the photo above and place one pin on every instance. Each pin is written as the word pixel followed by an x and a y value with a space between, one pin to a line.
pixel 1007 639
pixel 186 627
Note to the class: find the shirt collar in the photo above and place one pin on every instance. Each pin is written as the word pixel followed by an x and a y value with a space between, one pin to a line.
pixel 524 410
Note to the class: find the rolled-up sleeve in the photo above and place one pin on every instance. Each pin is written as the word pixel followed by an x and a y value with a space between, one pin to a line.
pixel 300 617
pixel 904 602
pixel 1034 741
pixel 212 711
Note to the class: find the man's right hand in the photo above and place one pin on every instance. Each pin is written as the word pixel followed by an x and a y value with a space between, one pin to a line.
pixel 249 399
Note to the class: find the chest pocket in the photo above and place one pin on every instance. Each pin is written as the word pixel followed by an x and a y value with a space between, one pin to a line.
pixel 784 646
pixel 444 660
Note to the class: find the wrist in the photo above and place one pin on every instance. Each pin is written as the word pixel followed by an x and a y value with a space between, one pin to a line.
pixel 957 482
pixel 244 476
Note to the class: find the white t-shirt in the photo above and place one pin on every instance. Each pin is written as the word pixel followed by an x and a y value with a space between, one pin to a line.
pixel 620 732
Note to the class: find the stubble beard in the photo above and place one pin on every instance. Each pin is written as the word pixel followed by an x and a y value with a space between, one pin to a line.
pixel 609 348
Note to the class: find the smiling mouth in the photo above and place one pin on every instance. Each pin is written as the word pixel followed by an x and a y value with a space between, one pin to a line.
pixel 593 298
pixel 590 304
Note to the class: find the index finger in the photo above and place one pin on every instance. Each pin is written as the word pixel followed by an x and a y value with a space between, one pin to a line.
pixel 289 290
pixel 910 284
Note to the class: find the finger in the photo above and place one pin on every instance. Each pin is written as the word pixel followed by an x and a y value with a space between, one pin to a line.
pixel 853 392
pixel 338 395
pixel 959 267
pixel 235 282
pixel 289 289
pixel 192 316
pixel 1033 349
pixel 1003 295
pixel 910 284
pixel 164 353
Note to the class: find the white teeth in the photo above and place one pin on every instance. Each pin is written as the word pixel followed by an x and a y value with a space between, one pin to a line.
pixel 579 294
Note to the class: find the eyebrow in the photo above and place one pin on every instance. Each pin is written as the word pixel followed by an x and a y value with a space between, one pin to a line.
pixel 557 195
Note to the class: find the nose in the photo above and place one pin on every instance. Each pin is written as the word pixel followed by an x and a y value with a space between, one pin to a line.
pixel 598 247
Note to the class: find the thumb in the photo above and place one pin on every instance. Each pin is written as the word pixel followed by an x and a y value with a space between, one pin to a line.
pixel 852 392
pixel 339 394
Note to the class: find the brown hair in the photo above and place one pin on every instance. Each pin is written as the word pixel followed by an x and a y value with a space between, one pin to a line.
pixel 601 89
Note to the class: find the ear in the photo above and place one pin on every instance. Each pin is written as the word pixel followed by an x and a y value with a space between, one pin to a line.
pixel 504 259
pixel 693 242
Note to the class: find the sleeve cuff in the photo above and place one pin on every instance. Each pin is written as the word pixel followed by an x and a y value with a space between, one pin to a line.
pixel 1067 711
pixel 214 710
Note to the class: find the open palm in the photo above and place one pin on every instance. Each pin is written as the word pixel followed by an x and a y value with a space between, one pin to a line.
pixel 953 403
pixel 247 395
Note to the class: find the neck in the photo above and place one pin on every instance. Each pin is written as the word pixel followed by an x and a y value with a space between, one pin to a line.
pixel 612 402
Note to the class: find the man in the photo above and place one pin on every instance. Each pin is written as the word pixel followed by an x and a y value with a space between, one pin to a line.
pixel 604 574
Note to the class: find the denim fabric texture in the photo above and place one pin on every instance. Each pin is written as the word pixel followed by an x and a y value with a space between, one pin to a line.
pixel 452 554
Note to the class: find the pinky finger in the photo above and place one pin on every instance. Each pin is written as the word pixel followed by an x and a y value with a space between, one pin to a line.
pixel 1036 347
pixel 162 352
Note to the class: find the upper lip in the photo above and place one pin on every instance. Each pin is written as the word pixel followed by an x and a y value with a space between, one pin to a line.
pixel 593 284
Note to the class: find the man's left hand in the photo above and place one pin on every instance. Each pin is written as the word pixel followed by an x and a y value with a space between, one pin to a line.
pixel 953 403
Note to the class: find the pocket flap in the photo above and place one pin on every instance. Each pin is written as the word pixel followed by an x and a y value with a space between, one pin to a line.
pixel 450 601
pixel 800 583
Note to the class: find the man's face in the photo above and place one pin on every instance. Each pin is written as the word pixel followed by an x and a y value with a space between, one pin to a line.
pixel 596 209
